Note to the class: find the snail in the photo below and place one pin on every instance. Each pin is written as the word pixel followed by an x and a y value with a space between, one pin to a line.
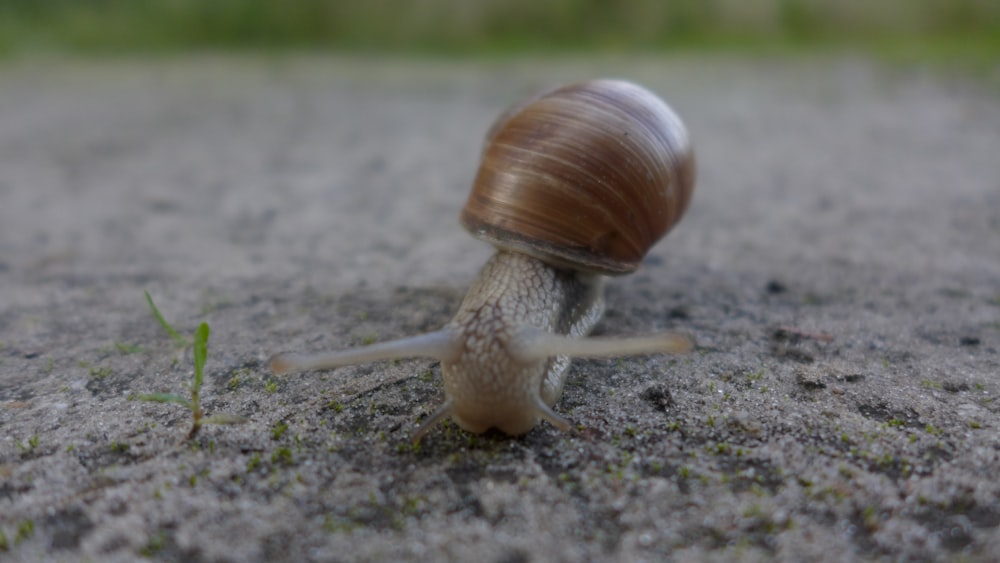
pixel 574 184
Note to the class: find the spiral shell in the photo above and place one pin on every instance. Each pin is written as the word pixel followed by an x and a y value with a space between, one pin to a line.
pixel 588 176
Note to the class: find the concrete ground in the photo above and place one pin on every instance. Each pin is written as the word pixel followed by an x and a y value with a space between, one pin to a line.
pixel 839 269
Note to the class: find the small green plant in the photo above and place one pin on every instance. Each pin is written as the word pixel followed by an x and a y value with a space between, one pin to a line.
pixel 407 446
pixel 29 447
pixel 278 430
pixel 253 463
pixel 200 344
pixel 282 456
pixel 25 530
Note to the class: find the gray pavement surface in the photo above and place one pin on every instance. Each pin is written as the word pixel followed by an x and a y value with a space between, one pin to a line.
pixel 839 269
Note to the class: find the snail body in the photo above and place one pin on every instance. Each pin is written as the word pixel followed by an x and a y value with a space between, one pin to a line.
pixel 513 292
pixel 574 184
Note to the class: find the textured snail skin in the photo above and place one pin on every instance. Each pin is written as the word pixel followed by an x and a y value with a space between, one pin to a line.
pixel 486 386
pixel 574 183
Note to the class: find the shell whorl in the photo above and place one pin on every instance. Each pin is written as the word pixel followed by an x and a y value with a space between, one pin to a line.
pixel 587 176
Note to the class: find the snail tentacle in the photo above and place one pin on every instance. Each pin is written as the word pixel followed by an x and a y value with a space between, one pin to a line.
pixel 441 345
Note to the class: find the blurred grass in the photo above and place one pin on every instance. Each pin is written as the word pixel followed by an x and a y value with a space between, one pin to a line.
pixel 962 29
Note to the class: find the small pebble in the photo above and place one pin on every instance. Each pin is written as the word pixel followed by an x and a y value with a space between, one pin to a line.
pixel 774 287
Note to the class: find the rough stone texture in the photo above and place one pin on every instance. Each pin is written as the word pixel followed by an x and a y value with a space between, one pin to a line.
pixel 839 269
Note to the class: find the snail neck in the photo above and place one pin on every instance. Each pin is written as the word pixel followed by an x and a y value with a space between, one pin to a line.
pixel 517 290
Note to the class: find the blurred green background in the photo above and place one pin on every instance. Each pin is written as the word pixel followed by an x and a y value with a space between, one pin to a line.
pixel 967 29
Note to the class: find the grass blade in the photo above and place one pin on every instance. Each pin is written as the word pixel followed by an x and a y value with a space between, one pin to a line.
pixel 180 340
pixel 167 398
pixel 200 354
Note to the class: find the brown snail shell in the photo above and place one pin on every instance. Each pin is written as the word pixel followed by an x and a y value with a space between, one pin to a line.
pixel 588 176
